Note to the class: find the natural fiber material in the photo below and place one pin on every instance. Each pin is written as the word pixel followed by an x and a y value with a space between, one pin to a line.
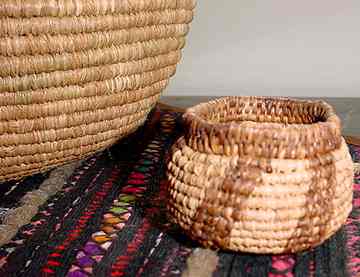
pixel 261 175
pixel 12 27
pixel 62 8
pixel 76 76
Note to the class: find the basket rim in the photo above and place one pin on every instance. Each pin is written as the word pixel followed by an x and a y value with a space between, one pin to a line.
pixel 308 134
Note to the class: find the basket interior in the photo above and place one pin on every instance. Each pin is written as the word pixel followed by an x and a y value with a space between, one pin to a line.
pixel 264 110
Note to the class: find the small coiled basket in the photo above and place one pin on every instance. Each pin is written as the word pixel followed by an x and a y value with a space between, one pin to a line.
pixel 77 75
pixel 260 175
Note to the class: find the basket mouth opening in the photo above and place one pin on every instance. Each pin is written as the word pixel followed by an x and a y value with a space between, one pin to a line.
pixel 281 111
pixel 274 127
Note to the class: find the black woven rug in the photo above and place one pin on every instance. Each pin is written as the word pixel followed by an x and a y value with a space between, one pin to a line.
pixel 108 220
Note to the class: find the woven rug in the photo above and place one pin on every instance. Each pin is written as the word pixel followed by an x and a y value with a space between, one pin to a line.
pixel 107 219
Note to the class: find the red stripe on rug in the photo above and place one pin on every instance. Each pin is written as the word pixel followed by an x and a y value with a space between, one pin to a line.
pixel 75 233
pixel 123 261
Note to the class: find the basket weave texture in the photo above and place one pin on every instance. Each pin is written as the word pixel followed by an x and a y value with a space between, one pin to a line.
pixel 260 175
pixel 77 75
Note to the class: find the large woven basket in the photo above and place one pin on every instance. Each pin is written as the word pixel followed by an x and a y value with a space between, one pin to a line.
pixel 260 175
pixel 77 75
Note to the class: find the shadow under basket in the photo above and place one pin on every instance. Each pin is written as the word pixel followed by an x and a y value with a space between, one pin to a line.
pixel 260 175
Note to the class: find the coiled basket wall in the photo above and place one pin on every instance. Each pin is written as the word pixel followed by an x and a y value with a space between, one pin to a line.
pixel 77 75
pixel 260 175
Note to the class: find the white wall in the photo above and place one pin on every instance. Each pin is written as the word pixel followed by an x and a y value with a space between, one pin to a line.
pixel 276 47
